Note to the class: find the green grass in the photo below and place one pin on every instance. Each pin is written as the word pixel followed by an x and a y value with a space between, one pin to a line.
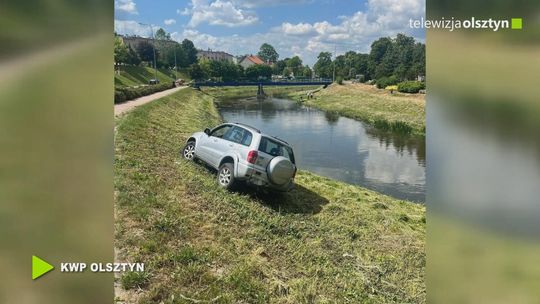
pixel 136 75
pixel 323 242
pixel 401 113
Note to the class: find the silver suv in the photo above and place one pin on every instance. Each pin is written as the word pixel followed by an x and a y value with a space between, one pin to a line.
pixel 242 153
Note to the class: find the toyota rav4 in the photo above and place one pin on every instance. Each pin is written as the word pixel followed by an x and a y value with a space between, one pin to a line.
pixel 242 153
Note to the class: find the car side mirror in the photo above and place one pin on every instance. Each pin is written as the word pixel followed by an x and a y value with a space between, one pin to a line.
pixel 207 131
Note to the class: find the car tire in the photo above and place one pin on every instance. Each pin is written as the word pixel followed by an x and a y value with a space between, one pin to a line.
pixel 189 151
pixel 225 176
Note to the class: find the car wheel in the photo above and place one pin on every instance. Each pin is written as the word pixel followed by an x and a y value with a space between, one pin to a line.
pixel 225 176
pixel 189 151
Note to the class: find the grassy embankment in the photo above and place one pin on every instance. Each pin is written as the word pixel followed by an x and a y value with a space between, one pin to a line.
pixel 250 91
pixel 324 242
pixel 134 75
pixel 398 112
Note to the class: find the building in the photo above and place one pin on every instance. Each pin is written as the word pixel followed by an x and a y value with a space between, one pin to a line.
pixel 250 60
pixel 214 55
pixel 134 41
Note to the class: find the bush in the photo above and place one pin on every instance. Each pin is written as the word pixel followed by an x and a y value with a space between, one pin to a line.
pixel 384 82
pixel 411 86
pixel 123 94
pixel 119 96
pixel 339 80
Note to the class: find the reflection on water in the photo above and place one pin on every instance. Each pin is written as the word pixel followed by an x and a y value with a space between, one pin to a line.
pixel 338 147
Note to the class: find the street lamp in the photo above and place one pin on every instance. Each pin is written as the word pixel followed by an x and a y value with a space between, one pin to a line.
pixel 153 47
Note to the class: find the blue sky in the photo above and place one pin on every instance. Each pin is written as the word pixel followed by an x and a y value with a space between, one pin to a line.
pixel 293 27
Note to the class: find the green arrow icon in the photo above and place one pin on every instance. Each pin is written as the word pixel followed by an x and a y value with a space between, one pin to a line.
pixel 40 267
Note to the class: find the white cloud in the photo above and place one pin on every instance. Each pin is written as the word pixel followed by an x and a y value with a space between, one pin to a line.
pixel 169 21
pixel 261 3
pixel 299 29
pixel 382 18
pixel 186 11
pixel 219 12
pixel 127 6
pixel 356 32
pixel 130 27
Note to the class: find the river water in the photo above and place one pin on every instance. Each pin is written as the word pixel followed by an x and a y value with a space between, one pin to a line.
pixel 338 147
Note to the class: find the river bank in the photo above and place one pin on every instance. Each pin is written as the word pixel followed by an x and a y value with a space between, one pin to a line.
pixel 250 91
pixel 397 112
pixel 323 241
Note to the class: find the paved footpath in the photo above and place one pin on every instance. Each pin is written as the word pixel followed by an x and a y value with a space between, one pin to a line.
pixel 128 106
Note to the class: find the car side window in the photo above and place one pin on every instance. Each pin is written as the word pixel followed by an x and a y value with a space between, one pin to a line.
pixel 220 131
pixel 240 136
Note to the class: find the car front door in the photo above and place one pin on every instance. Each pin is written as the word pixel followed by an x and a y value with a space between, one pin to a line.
pixel 216 144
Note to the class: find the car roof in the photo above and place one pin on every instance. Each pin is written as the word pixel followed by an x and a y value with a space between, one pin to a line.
pixel 246 126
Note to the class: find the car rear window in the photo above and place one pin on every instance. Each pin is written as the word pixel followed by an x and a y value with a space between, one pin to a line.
pixel 239 136
pixel 276 148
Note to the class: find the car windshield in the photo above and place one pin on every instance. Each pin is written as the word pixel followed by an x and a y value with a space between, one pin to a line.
pixel 276 148
pixel 220 131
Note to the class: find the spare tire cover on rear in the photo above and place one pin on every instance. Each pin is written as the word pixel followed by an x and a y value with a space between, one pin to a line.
pixel 280 170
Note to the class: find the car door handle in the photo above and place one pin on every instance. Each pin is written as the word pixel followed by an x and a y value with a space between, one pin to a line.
pixel 231 145
pixel 215 140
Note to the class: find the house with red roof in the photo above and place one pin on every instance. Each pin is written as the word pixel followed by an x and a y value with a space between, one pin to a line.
pixel 250 60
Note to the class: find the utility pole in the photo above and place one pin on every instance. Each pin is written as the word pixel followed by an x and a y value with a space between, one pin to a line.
pixel 153 48
pixel 334 64
pixel 175 66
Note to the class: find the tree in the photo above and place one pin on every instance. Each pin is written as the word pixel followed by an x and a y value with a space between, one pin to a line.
pixel 196 73
pixel 161 34
pixel 121 53
pixel 229 71
pixel 133 58
pixel 401 58
pixel 279 66
pixel 295 65
pixel 340 63
pixel 172 52
pixel 418 67
pixel 259 71
pixel 378 50
pixel 268 53
pixel 190 52
pixel 307 72
pixel 146 52
pixel 323 66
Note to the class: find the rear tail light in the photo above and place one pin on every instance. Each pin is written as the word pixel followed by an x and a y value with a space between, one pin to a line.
pixel 252 156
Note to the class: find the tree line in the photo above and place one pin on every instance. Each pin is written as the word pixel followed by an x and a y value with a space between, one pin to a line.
pixel 169 53
pixel 390 60
pixel 401 58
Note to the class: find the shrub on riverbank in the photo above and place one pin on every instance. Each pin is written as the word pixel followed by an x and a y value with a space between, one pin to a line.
pixel 325 241
pixel 410 86
pixel 125 94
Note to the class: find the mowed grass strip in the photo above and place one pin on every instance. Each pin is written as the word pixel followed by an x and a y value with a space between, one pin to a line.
pixel 250 91
pixel 137 75
pixel 398 112
pixel 324 242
